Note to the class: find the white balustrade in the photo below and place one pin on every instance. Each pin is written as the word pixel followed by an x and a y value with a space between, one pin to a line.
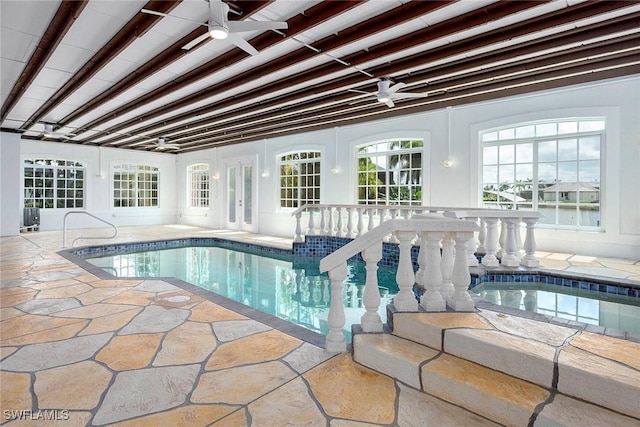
pixel 432 231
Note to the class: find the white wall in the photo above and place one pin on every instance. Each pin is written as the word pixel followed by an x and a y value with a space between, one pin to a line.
pixel 100 162
pixel 617 100
pixel 9 180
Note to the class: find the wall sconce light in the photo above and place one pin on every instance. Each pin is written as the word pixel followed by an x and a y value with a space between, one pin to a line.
pixel 215 176
pixel 447 163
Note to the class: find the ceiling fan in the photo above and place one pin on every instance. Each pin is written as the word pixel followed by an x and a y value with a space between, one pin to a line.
pixel 162 145
pixel 387 93
pixel 220 28
pixel 50 132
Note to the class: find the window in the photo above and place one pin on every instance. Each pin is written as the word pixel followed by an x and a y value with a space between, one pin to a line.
pixel 299 179
pixel 52 184
pixel 551 167
pixel 198 178
pixel 390 173
pixel 135 186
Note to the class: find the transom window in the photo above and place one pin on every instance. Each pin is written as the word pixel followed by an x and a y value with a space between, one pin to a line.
pixel 390 172
pixel 54 184
pixel 135 186
pixel 299 179
pixel 199 185
pixel 551 167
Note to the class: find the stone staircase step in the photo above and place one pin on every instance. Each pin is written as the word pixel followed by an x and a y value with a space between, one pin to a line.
pixel 392 356
pixel 497 396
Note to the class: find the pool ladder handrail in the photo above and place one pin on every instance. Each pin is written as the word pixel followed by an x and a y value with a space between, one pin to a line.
pixel 64 228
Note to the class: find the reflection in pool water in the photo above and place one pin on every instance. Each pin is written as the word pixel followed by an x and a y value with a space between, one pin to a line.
pixel 595 308
pixel 294 291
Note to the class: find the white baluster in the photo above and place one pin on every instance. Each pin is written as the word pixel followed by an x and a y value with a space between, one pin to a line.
pixel 323 225
pixel 350 234
pixel 370 223
pixel 446 267
pixel 331 231
pixel 517 233
pixel 393 213
pixel 461 300
pixel 529 259
pixel 360 221
pixel 371 321
pixel 298 236
pixel 491 243
pixel 510 258
pixel 339 231
pixel 472 261
pixel 503 238
pixel 405 300
pixel 482 235
pixel 335 341
pixel 312 225
pixel 432 278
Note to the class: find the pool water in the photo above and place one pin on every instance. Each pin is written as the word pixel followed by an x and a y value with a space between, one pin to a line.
pixel 591 307
pixel 293 291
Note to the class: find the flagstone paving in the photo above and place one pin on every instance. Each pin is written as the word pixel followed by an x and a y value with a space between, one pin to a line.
pixel 147 353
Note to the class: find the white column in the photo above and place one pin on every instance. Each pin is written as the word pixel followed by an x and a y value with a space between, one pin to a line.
pixel 446 267
pixel 371 321
pixel 491 243
pixel 461 300
pixel 510 258
pixel 432 299
pixel 336 341
pixel 529 259
pixel 298 236
pixel 405 300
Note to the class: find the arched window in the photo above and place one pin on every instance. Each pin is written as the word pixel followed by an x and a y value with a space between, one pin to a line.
pixel 299 179
pixel 135 186
pixel 390 172
pixel 54 184
pixel 552 167
pixel 198 186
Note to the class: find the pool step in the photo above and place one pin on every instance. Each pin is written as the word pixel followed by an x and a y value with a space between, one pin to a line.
pixel 511 379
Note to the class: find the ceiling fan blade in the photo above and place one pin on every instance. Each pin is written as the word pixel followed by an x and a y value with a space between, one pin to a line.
pixel 360 91
pixel 242 26
pixel 410 95
pixel 218 12
pixel 242 44
pixel 389 103
pixel 396 87
pixel 196 41
pixel 153 12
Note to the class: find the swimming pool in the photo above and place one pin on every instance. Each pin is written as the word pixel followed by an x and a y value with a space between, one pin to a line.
pixel 287 284
pixel 293 290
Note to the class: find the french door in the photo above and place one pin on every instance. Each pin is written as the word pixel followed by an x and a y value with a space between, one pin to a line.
pixel 241 196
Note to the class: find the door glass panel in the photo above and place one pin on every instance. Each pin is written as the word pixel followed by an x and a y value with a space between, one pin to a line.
pixel 231 191
pixel 248 193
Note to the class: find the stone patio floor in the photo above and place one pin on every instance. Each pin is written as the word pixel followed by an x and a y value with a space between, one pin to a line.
pixel 87 351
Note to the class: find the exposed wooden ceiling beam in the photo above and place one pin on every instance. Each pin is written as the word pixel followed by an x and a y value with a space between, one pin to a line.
pixel 63 19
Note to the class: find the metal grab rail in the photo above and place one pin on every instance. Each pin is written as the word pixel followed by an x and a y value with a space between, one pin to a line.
pixel 64 228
